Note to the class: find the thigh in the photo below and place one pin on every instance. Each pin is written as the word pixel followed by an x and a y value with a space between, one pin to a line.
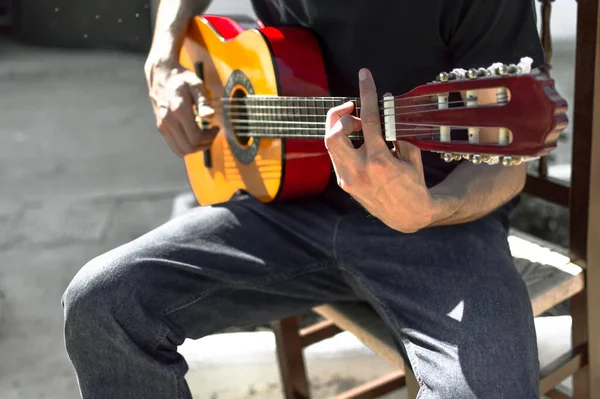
pixel 454 302
pixel 233 264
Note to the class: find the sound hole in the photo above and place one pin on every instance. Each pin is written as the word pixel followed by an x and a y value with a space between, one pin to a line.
pixel 239 117
pixel 239 120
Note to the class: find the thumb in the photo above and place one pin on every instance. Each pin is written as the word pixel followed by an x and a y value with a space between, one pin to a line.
pixel 198 94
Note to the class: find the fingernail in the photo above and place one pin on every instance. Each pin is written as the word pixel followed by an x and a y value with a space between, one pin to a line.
pixel 362 74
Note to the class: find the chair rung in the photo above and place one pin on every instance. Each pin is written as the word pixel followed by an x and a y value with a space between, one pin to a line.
pixel 561 368
pixel 376 388
pixel 566 290
pixel 318 332
pixel 555 394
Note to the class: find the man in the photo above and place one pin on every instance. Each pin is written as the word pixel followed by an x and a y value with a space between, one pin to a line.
pixel 424 242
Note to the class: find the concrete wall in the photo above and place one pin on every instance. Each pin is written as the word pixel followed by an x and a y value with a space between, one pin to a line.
pixel 104 24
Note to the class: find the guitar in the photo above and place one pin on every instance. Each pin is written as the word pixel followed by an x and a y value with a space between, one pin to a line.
pixel 270 94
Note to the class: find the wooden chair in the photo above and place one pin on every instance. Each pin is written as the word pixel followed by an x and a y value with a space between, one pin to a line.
pixel 569 274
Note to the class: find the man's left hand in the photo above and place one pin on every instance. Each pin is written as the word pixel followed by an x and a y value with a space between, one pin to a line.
pixel 390 184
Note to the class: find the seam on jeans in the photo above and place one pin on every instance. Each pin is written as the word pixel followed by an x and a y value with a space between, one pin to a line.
pixel 409 352
pixel 334 241
pixel 178 393
pixel 271 279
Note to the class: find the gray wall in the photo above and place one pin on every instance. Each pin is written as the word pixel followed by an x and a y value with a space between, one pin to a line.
pixel 106 24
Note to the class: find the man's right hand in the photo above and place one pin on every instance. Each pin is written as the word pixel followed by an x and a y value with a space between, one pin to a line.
pixel 176 93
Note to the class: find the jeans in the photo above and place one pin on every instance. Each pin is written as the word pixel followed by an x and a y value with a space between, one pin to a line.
pixel 450 296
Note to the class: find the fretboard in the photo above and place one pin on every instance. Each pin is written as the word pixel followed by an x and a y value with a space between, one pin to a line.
pixel 284 117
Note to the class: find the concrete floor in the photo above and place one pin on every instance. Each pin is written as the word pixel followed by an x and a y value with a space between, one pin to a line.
pixel 82 169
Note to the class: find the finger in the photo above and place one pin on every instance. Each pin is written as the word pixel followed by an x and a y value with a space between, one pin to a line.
pixel 337 140
pixel 168 137
pixel 369 113
pixel 336 113
pixel 198 95
pixel 163 128
pixel 174 128
pixel 409 153
pixel 187 119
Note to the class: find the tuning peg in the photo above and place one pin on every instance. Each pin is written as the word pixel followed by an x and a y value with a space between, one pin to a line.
pixel 490 159
pixel 512 161
pixel 513 69
pixel 501 70
pixel 518 160
pixel 451 156
pixel 481 72
pixel 442 77
pixel 476 159
pixel 472 73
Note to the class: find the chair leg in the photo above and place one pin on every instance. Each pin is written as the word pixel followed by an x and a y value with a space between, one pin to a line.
pixel 411 383
pixel 581 382
pixel 291 359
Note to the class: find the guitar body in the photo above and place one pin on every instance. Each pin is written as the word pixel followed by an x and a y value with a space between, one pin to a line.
pixel 235 62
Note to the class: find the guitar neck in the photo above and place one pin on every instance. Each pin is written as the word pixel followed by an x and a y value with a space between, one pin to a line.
pixel 285 117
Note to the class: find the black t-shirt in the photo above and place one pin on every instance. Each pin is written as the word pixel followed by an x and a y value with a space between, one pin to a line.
pixel 407 43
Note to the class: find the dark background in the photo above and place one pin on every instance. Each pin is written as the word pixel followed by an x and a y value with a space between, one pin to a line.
pixel 101 24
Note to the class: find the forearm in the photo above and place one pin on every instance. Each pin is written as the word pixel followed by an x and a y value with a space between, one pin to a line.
pixel 172 20
pixel 473 191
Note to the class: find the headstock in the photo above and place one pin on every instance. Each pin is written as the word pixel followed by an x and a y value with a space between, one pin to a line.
pixel 510 114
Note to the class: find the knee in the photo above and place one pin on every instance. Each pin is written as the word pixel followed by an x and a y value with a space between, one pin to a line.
pixel 92 296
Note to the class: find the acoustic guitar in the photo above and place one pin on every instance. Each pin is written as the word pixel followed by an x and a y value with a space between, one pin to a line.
pixel 269 89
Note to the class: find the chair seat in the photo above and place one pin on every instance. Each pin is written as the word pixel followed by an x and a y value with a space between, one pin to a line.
pixel 550 276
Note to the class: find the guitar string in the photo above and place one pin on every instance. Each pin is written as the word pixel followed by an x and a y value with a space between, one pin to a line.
pixel 299 132
pixel 300 128
pixel 358 107
pixel 236 104
pixel 324 99
pixel 321 116
pixel 289 116
pixel 264 122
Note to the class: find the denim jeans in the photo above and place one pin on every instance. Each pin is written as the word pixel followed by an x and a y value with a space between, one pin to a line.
pixel 450 296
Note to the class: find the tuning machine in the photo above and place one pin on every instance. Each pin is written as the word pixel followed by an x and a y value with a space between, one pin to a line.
pixel 512 161
pixel 446 76
pixel 497 69
pixel 482 158
pixel 451 156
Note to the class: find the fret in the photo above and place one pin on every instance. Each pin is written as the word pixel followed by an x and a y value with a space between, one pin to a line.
pixel 262 118
pixel 322 109
pixel 308 111
pixel 248 113
pixel 303 112
pixel 309 116
pixel 292 109
pixel 271 116
pixel 257 117
pixel 276 111
pixel 313 111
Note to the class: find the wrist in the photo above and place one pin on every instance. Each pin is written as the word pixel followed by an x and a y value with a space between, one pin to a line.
pixel 164 52
pixel 160 61
pixel 443 206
